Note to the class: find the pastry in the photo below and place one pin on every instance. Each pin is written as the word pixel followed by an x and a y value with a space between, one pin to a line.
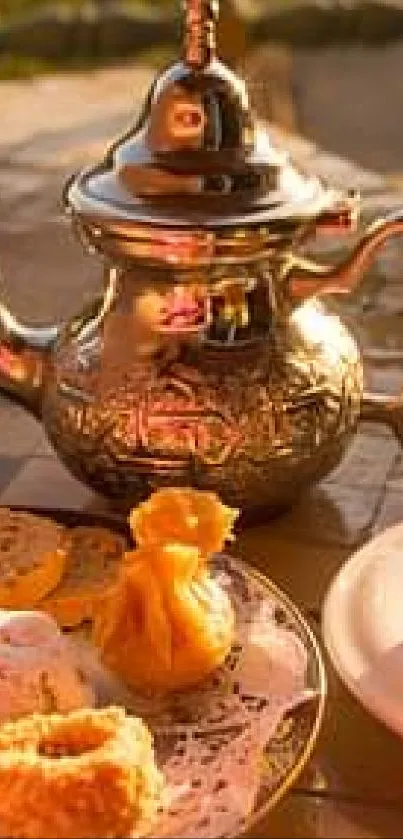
pixel 91 568
pixel 32 558
pixel 37 669
pixel 167 624
pixel 183 516
pixel 88 774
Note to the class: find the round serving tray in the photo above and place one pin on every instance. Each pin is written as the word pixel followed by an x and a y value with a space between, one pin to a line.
pixel 233 747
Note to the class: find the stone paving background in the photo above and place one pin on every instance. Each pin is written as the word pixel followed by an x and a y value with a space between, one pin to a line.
pixel 350 101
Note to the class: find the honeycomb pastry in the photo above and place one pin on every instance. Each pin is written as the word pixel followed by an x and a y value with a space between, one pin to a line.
pixel 92 564
pixel 184 516
pixel 32 558
pixel 87 774
pixel 167 624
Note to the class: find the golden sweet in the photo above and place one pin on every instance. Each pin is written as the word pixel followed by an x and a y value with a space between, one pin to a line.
pixel 92 564
pixel 33 552
pixel 183 516
pixel 167 624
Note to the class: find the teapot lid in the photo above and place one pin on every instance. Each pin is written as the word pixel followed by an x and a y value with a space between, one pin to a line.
pixel 195 161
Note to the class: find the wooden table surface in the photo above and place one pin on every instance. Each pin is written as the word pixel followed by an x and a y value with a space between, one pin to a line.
pixel 353 785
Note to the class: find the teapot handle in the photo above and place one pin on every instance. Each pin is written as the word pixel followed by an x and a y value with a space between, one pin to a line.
pixel 306 278
pixel 383 409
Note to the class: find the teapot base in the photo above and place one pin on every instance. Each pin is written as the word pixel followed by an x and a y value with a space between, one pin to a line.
pixel 266 504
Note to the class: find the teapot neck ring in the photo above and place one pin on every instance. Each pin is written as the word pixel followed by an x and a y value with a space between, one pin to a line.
pixel 181 250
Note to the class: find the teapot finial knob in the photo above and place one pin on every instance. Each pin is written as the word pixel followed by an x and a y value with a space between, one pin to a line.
pixel 200 31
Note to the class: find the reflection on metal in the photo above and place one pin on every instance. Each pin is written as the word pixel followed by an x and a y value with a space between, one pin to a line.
pixel 183 310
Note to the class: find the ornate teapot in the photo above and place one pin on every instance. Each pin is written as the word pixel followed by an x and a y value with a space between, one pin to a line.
pixel 209 359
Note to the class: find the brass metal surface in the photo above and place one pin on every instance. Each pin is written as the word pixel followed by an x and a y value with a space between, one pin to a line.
pixel 200 35
pixel 307 279
pixel 206 361
pixel 196 162
pixel 245 406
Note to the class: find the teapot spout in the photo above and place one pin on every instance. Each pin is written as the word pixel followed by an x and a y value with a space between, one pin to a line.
pixel 24 355
pixel 306 278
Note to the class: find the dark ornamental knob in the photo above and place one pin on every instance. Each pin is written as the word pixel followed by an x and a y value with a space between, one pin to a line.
pixel 200 31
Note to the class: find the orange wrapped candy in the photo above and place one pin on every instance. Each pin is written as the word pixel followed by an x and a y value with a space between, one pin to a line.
pixel 183 516
pixel 167 624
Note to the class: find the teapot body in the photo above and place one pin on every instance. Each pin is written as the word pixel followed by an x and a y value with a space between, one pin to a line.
pixel 168 380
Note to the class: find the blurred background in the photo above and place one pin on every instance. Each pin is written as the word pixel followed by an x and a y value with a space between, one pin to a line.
pixel 74 73
pixel 328 69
